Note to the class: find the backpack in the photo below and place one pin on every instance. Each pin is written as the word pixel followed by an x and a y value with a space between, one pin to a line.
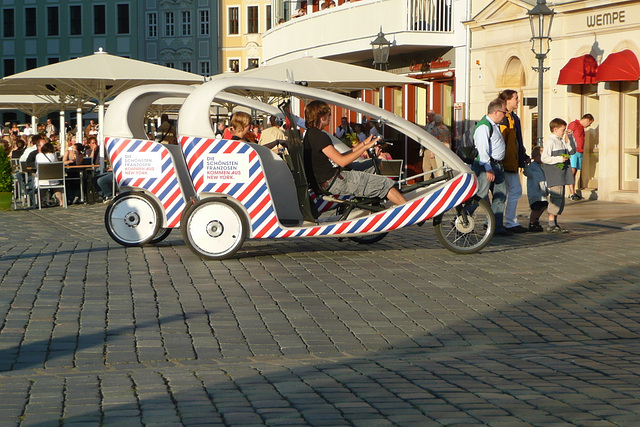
pixel 467 150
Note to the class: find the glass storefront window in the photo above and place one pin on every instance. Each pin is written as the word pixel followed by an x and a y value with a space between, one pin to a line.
pixel 629 136
pixel 588 177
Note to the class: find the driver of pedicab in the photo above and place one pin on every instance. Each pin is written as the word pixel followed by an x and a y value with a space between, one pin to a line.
pixel 320 158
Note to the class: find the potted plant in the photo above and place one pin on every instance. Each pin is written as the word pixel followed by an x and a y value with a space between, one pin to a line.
pixel 6 180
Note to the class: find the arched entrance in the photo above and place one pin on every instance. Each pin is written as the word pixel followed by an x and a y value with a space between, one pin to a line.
pixel 514 78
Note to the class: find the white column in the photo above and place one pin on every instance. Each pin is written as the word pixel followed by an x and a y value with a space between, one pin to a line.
pixel 101 134
pixel 62 136
pixel 79 131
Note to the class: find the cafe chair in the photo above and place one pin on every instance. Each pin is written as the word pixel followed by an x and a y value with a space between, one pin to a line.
pixel 391 169
pixel 50 176
pixel 19 184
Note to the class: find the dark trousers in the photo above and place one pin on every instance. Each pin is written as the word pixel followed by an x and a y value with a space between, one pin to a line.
pixel 498 189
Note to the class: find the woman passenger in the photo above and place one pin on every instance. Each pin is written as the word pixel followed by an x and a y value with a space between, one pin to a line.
pixel 239 126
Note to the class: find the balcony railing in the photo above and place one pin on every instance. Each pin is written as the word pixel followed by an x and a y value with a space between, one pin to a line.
pixel 423 15
pixel 347 29
pixel 429 15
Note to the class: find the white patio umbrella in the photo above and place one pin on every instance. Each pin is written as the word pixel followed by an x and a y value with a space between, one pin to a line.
pixel 96 77
pixel 325 74
pixel 33 105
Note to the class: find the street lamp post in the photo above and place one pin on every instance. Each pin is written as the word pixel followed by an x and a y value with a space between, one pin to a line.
pixel 381 47
pixel 540 18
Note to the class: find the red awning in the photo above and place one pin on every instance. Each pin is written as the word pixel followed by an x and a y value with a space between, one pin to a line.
pixel 579 71
pixel 619 67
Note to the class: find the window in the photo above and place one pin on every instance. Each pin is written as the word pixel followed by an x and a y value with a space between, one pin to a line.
pixel 204 22
pixel 53 20
pixel 9 67
pixel 630 136
pixel 152 25
pixel 169 30
pixel 170 64
pixel 234 65
pixel 123 19
pixel 186 23
pixel 99 19
pixel 253 63
pixel 205 68
pixel 52 61
pixel 186 66
pixel 31 63
pixel 233 20
pixel 30 22
pixel 252 19
pixel 75 20
pixel 268 18
pixel 9 23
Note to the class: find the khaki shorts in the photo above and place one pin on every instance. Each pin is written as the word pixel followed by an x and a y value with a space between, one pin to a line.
pixel 361 184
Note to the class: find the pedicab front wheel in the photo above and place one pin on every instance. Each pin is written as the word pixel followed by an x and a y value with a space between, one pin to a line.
pixel 132 219
pixel 467 228
pixel 214 228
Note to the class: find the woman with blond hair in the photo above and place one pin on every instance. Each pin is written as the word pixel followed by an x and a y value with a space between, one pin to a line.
pixel 239 126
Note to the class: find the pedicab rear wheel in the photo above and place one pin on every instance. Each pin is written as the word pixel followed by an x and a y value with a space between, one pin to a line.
pixel 369 238
pixel 214 228
pixel 163 233
pixel 467 228
pixel 132 219
pixel 366 239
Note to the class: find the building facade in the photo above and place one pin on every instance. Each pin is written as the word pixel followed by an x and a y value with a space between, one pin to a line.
pixel 181 34
pixel 240 31
pixel 37 33
pixel 607 34
pixel 428 41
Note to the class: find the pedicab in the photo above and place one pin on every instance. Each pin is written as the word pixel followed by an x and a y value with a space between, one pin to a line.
pixel 222 192
pixel 152 177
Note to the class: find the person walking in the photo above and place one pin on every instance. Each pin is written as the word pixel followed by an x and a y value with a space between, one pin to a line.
pixel 556 152
pixel 537 191
pixel 515 157
pixel 429 162
pixel 488 165
pixel 577 127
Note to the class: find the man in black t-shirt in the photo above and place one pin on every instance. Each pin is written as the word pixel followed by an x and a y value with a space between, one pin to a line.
pixel 319 153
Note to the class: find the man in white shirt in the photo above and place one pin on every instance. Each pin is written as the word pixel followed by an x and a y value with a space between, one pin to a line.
pixel 50 129
pixel 28 130
pixel 488 166
pixel 343 129
pixel 31 146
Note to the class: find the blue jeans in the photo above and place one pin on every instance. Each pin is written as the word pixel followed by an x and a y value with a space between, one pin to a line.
pixel 104 183
pixel 498 190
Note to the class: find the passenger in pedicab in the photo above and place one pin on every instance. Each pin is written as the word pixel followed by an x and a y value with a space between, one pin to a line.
pixel 319 153
pixel 240 129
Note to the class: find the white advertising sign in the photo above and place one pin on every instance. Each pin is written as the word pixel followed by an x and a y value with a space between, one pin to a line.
pixel 141 165
pixel 226 167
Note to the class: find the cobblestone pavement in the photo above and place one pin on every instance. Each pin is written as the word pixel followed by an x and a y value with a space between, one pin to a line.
pixel 537 329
